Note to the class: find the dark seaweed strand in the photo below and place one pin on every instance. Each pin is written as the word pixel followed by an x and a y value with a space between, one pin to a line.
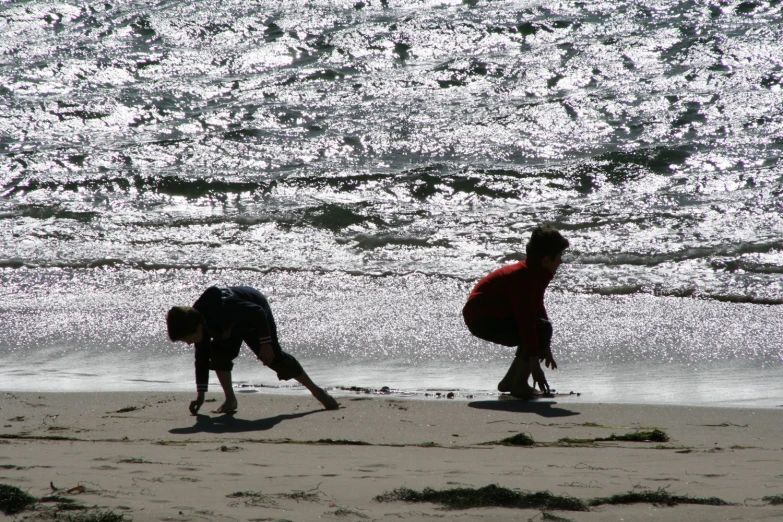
pixel 13 500
pixel 659 497
pixel 488 496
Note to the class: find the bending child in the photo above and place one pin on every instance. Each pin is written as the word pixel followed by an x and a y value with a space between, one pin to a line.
pixel 507 307
pixel 217 323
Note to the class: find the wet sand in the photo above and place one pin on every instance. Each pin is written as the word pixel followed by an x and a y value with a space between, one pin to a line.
pixel 282 457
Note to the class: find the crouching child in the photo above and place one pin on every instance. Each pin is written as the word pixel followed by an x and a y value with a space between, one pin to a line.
pixel 507 307
pixel 217 324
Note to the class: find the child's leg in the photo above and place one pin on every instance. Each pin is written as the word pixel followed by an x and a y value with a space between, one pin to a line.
pixel 230 404
pixel 509 381
pixel 516 380
pixel 324 398
pixel 287 367
pixel 522 389
pixel 504 331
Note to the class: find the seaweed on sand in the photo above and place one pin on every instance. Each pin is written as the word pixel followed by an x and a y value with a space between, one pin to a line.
pixel 91 516
pixel 346 442
pixel 23 436
pixel 488 496
pixel 254 498
pixel 13 500
pixel 125 410
pixel 554 518
pixel 344 512
pixel 659 497
pixel 300 495
pixel 520 439
pixel 63 503
pixel 496 496
pixel 569 440
pixel 655 435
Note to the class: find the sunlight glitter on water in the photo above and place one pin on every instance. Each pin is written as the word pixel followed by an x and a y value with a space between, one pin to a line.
pixel 401 332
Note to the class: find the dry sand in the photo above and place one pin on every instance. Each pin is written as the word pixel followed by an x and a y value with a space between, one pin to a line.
pixel 144 456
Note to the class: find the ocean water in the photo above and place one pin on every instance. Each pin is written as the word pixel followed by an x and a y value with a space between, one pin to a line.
pixel 365 162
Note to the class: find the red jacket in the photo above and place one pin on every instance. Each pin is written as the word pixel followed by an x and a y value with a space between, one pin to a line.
pixel 511 291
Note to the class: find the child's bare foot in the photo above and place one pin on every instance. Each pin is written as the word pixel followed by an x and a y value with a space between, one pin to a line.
pixel 504 386
pixel 327 400
pixel 230 406
pixel 324 398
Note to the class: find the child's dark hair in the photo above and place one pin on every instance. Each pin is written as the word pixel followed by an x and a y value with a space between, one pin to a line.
pixel 545 241
pixel 182 321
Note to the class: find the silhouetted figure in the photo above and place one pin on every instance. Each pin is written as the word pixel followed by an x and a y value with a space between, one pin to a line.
pixel 507 307
pixel 217 323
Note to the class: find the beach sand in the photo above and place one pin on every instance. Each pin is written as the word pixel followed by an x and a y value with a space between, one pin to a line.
pixel 282 457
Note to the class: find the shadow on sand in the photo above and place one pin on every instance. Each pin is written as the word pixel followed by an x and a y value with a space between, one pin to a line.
pixel 228 423
pixel 539 407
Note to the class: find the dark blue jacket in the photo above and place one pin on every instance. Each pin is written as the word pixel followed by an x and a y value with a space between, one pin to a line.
pixel 232 315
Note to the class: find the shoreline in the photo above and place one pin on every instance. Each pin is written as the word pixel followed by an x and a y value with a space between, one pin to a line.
pixel 444 393
pixel 282 457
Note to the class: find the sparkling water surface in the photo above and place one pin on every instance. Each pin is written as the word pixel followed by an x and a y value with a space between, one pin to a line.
pixel 72 331
pixel 365 162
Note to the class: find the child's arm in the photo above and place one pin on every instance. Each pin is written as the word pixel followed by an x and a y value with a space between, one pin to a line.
pixel 549 361
pixel 526 310
pixel 202 375
pixel 196 405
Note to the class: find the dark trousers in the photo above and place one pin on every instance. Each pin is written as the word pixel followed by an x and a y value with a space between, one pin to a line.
pixel 504 331
pixel 224 351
